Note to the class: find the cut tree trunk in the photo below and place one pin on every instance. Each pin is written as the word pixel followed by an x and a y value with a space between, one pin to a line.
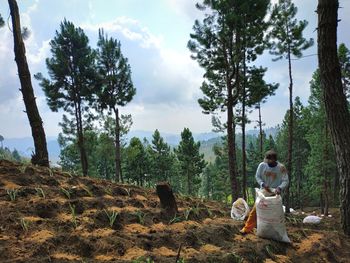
pixel 41 156
pixel 167 199
pixel 337 111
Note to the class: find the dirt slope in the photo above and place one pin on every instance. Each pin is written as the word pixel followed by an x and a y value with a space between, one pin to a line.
pixel 55 217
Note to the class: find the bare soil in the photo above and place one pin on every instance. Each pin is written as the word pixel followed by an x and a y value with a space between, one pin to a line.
pixel 56 217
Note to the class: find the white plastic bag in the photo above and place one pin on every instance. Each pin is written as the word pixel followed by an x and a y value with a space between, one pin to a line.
pixel 240 209
pixel 312 220
pixel 270 217
pixel 290 210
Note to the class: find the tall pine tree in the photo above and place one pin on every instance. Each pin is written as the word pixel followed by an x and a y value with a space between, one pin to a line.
pixel 191 161
pixel 117 88
pixel 215 44
pixel 286 39
pixel 72 79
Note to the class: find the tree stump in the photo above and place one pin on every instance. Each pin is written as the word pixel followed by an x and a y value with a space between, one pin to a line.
pixel 167 199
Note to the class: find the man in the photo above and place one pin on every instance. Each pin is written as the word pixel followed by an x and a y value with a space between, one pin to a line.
pixel 270 174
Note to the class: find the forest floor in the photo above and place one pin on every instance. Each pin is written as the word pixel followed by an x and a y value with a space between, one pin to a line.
pixel 50 216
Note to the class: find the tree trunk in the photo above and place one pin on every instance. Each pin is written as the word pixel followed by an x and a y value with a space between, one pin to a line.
pixel 321 203
pixel 260 132
pixel 81 143
pixel 337 111
pixel 231 146
pixel 244 157
pixel 117 146
pixel 189 184
pixel 336 188
pixel 325 171
pixel 290 133
pixel 299 185
pixel 40 157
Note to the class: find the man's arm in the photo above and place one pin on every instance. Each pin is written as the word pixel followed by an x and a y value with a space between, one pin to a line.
pixel 258 175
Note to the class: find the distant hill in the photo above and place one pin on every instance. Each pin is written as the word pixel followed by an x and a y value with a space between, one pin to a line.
pixel 170 138
pixel 25 145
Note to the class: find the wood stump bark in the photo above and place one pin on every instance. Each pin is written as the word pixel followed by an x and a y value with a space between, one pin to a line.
pixel 167 199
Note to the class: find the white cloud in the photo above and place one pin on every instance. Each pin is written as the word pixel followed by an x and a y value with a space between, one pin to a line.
pixel 41 54
pixel 130 28
pixel 186 8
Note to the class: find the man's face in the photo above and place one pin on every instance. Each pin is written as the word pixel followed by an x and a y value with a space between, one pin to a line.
pixel 271 161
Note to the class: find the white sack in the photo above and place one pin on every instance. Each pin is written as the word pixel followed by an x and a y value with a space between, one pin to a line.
pixel 312 220
pixel 240 209
pixel 270 217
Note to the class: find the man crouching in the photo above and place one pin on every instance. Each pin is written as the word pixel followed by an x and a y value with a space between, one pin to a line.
pixel 270 174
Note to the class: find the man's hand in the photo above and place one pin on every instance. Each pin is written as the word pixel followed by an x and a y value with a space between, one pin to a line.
pixel 278 191
pixel 266 187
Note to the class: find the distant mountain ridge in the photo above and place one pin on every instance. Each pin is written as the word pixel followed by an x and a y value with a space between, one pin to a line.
pixel 25 145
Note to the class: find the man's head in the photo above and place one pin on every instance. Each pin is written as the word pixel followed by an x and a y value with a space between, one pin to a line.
pixel 271 158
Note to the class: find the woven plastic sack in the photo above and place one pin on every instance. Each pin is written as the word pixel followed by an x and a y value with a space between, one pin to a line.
pixel 240 209
pixel 270 217
pixel 312 220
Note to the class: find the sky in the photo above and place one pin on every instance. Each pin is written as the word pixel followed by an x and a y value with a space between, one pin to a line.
pixel 154 36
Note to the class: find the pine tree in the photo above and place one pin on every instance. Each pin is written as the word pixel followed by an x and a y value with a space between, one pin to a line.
pixel 257 92
pixel 253 12
pixel 191 161
pixel 117 87
pixel 41 156
pixel 73 79
pixel 215 44
pixel 162 159
pixel 136 164
pixel 286 39
pixel 105 164
pixel 336 106
pixel 300 154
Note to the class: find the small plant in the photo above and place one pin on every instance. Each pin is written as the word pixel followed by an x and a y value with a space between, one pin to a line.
pixel 180 260
pixel 128 190
pixel 270 252
pixel 24 224
pixel 196 210
pixel 141 216
pixel 74 216
pixel 112 216
pixel 50 171
pixel 66 192
pixel 210 213
pixel 40 192
pixel 23 168
pixel 187 213
pixel 12 193
pixel 175 219
pixel 86 189
pixel 109 191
